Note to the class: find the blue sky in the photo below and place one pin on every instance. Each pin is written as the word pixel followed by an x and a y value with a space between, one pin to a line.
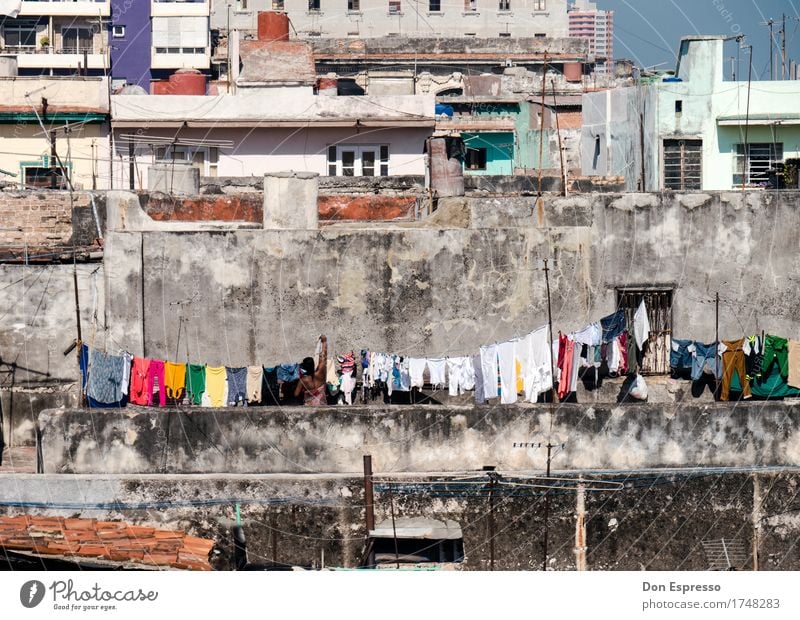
pixel 648 31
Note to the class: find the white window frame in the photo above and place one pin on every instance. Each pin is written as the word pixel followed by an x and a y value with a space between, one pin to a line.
pixel 539 6
pixel 756 151
pixel 118 31
pixel 381 166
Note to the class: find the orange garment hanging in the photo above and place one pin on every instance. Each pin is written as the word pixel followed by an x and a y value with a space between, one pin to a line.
pixel 175 380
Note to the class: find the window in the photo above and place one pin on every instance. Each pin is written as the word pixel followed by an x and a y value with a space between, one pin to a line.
pixel 505 5
pixel 658 301
pixel 353 5
pixel 434 6
pixel 314 6
pixel 540 35
pixel 358 161
pixel 395 8
pixel 539 5
pixel 119 32
pixel 277 5
pixel 679 106
pixel 761 158
pixel 683 164
pixel 41 176
pixel 470 6
pixel 77 40
pixel 475 159
pixel 205 159
pixel 505 34
pixel 20 33
pixel 241 5
pixel 176 33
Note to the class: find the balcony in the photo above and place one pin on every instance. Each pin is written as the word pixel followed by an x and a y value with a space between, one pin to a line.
pixel 65 58
pixel 31 8
pixel 180 8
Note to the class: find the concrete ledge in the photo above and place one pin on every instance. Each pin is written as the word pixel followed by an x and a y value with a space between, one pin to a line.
pixel 418 438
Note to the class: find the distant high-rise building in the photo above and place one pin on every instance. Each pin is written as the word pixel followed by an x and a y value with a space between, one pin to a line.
pixel 586 21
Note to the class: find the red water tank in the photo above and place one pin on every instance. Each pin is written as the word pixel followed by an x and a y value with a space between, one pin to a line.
pixel 273 26
pixel 187 82
pixel 573 71
pixel 159 87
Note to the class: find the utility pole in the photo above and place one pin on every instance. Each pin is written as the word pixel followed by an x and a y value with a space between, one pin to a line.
pixel 550 447
pixel 770 22
pixel 783 47
pixel 746 167
pixel 553 395
pixel 369 507
pixel 492 486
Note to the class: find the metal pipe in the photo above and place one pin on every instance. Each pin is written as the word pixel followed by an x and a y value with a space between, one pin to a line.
pixel 560 147
pixel 96 218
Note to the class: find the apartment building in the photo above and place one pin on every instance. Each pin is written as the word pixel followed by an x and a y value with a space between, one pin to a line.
pixel 587 22
pixel 56 38
pixel 419 18
pixel 152 39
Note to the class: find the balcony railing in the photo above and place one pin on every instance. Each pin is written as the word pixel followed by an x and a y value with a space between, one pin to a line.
pixel 30 49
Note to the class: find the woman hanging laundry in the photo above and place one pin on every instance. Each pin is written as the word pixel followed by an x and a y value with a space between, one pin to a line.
pixel 312 380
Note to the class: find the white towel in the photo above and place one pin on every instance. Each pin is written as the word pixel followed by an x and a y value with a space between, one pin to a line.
pixel 641 325
pixel 436 370
pixel 416 368
pixel 489 370
pixel 507 361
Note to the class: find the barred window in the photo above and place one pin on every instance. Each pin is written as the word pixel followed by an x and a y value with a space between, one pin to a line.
pixel 658 302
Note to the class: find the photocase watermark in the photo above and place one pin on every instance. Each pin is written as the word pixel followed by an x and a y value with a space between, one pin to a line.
pixel 67 597
pixel 727 15
pixel 31 593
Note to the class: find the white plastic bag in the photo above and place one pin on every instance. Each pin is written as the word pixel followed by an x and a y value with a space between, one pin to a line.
pixel 639 388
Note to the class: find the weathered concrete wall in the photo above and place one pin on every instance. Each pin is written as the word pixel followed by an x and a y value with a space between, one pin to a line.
pixel 38 323
pixel 430 291
pixel 419 438
pixel 657 522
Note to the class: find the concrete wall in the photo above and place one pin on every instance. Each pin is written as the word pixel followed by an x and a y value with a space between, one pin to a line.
pixel 467 276
pixel 373 19
pixel 657 522
pixel 449 290
pixel 419 438
pixel 39 323
pixel 294 519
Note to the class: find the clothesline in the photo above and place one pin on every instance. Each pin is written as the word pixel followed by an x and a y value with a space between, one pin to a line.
pixel 523 362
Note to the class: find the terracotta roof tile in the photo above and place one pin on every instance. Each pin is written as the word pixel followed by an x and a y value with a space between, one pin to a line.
pixel 116 541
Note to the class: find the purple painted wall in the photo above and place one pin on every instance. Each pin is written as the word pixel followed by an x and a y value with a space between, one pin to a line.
pixel 130 53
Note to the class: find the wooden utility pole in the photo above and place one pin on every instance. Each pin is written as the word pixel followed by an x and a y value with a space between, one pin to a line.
pixel 580 528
